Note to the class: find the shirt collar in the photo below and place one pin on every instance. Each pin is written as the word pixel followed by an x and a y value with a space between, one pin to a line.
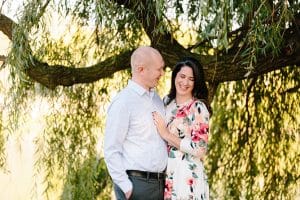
pixel 139 89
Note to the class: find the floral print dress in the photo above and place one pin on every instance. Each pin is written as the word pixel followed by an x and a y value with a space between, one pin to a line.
pixel 186 178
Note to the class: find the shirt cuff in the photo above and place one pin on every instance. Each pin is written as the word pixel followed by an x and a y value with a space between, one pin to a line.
pixel 125 186
pixel 185 145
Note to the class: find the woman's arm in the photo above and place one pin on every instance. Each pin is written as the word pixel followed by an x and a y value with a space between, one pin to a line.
pixel 182 144
pixel 164 131
pixel 197 142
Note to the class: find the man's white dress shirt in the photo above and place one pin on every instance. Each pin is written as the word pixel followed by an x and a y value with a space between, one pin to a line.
pixel 131 139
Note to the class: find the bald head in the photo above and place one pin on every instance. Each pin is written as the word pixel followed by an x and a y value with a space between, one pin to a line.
pixel 143 56
pixel 147 66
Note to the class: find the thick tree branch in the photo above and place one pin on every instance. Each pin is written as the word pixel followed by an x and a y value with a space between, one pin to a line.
pixel 2 61
pixel 292 90
pixel 2 58
pixel 53 76
pixel 6 25
pixel 217 69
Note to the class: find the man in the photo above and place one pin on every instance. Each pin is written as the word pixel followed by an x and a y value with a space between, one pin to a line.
pixel 135 154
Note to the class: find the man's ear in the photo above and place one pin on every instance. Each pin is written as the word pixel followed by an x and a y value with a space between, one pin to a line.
pixel 140 68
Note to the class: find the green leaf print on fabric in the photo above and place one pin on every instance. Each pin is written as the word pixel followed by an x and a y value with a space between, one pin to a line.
pixel 194 175
pixel 192 166
pixel 187 157
pixel 190 119
pixel 180 133
pixel 187 120
pixel 183 157
pixel 193 145
pixel 202 143
pixel 174 112
pixel 171 154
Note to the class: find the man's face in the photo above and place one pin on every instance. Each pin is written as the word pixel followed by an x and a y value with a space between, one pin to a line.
pixel 153 72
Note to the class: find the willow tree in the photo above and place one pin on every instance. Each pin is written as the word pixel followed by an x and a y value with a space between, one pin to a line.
pixel 251 57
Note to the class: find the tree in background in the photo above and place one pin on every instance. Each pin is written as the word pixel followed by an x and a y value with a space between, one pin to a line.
pixel 255 125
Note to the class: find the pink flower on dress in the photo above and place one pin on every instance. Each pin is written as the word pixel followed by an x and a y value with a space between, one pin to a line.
pixel 190 181
pixel 200 133
pixel 195 137
pixel 168 189
pixel 182 112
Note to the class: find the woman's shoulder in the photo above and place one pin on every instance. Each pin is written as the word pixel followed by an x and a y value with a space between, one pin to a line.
pixel 167 100
pixel 200 105
pixel 198 102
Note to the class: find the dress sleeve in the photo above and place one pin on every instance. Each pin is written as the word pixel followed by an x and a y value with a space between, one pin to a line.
pixel 197 142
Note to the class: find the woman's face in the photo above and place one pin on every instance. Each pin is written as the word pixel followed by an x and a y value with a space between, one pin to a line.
pixel 184 82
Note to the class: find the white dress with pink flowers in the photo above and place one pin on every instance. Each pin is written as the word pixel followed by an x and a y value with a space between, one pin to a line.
pixel 186 178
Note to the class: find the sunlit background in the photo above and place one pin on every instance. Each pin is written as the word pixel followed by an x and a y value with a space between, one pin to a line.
pixel 52 139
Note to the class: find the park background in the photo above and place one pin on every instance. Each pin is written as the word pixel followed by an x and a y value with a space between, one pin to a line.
pixel 61 62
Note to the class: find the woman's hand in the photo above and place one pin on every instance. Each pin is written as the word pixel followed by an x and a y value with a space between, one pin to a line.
pixel 164 131
pixel 160 124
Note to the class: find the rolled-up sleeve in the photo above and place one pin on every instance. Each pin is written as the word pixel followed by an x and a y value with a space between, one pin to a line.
pixel 116 129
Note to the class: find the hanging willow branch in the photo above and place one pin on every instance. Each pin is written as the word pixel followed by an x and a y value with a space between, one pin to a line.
pixel 229 66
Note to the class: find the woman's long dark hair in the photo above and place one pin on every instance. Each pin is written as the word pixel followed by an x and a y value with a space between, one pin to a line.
pixel 200 90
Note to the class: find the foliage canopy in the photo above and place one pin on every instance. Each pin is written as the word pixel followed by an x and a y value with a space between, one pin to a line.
pixel 70 54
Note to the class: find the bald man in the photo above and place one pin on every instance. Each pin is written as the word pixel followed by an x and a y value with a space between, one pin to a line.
pixel 135 154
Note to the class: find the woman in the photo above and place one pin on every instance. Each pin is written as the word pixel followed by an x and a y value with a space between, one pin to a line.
pixel 186 132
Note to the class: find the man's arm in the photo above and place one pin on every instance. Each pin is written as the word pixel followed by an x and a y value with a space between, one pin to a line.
pixel 117 124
